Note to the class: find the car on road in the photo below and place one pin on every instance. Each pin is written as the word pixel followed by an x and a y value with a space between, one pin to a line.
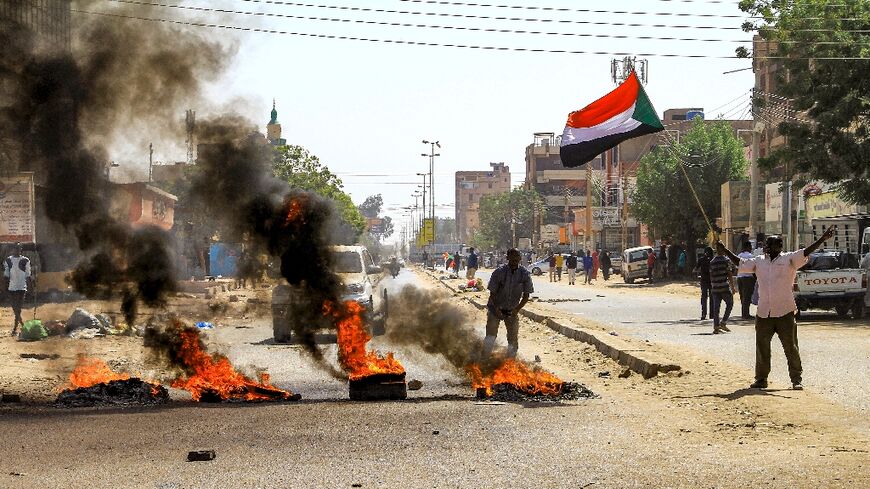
pixel 634 263
pixel 542 266
pixel 359 278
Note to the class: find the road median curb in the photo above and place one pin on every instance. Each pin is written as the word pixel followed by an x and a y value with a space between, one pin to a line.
pixel 647 364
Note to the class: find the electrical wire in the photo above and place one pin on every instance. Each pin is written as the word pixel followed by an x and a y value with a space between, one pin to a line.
pixel 425 26
pixel 518 19
pixel 573 10
pixel 429 44
pixel 590 11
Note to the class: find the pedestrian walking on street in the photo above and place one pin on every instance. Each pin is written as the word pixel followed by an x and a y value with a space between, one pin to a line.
pixel 587 267
pixel 471 268
pixel 571 265
pixel 16 271
pixel 606 265
pixel 560 262
pixel 650 265
pixel 595 264
pixel 745 282
pixel 775 272
pixel 702 269
pixel 509 289
pixel 457 261
pixel 551 262
pixel 722 287
pixel 681 264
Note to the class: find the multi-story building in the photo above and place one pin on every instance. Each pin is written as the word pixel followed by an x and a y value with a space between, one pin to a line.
pixel 470 187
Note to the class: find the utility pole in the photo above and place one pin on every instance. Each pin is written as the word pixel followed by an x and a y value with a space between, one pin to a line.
pixel 588 206
pixel 150 161
pixel 190 124
pixel 432 154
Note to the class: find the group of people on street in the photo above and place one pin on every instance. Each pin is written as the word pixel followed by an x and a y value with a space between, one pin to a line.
pixel 591 261
pixel 769 277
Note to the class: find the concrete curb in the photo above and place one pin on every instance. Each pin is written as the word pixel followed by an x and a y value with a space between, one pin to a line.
pixel 647 364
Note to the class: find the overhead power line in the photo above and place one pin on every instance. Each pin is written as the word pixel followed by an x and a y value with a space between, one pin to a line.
pixel 591 11
pixel 426 26
pixel 517 19
pixel 426 43
pixel 484 17
pixel 574 10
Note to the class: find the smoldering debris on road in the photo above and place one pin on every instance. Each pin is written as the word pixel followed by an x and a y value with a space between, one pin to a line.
pixel 569 391
pixel 125 392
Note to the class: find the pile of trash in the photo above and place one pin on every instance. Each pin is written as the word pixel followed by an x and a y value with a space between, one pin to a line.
pixel 473 285
pixel 80 325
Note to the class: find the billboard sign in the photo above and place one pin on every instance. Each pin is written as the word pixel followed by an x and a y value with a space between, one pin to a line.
pixel 428 231
pixel 17 209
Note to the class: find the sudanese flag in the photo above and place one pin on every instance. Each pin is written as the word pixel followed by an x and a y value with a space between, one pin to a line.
pixel 622 114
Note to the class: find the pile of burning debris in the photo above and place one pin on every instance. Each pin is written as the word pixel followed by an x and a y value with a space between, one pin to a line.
pixel 209 377
pixel 515 381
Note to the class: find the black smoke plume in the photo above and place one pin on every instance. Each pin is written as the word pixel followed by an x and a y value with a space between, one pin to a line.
pixel 63 112
pixel 234 180
pixel 431 322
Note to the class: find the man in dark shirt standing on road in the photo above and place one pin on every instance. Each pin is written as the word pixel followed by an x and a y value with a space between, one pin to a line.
pixel 509 289
pixel 703 270
pixel 722 287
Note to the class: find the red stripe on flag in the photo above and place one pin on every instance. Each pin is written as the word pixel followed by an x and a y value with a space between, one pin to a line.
pixel 608 106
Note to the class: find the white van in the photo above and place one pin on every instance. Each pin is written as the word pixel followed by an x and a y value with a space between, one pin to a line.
pixel 359 277
pixel 634 263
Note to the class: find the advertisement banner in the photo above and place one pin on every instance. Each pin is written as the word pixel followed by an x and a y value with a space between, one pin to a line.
pixel 17 209
pixel 428 231
pixel 772 203
pixel 829 204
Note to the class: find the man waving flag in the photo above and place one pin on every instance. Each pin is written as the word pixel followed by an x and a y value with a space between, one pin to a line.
pixel 622 114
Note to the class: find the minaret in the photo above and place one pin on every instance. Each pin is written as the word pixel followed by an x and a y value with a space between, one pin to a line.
pixel 273 129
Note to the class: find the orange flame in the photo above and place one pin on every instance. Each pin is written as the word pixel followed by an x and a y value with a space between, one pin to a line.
pixel 92 371
pixel 214 373
pixel 533 381
pixel 352 338
pixel 294 212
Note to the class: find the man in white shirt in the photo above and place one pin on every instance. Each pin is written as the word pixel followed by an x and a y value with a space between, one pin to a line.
pixel 16 271
pixel 775 272
pixel 745 282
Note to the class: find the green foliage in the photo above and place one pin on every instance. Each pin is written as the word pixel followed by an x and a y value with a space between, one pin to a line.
pixel 371 207
pixel 496 213
pixel 445 230
pixel 712 155
pixel 828 133
pixel 302 170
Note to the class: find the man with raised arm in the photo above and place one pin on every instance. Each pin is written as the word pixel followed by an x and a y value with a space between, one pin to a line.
pixel 775 272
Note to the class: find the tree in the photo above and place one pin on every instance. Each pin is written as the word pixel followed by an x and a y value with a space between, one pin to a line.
pixel 502 215
pixel 445 230
pixel 712 155
pixel 371 208
pixel 824 107
pixel 302 170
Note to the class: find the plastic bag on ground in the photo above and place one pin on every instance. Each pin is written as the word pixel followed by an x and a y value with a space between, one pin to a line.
pixel 32 330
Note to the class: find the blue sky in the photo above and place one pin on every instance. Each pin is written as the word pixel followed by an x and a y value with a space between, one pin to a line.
pixel 364 107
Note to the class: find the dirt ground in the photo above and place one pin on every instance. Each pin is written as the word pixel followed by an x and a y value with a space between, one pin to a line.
pixel 706 404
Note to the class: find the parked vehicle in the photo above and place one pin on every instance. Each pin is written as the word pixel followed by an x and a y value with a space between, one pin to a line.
pixel 633 264
pixel 542 266
pixel 831 280
pixel 359 277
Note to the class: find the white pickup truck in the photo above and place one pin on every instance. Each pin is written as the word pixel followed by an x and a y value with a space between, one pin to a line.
pixel 830 280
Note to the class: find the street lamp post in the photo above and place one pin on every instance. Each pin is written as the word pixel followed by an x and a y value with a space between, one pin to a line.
pixel 432 154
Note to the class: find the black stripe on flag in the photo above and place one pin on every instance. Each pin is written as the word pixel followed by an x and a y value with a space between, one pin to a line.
pixel 573 155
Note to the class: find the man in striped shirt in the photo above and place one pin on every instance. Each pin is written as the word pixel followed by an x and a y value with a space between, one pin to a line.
pixel 722 287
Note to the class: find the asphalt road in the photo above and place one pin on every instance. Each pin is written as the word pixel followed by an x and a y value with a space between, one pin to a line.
pixel 835 353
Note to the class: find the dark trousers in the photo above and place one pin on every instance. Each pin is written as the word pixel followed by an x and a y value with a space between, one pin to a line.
pixel 649 273
pixel 706 297
pixel 745 285
pixel 17 299
pixel 786 328
pixel 718 298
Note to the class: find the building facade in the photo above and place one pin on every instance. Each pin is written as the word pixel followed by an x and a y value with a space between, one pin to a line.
pixel 470 187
